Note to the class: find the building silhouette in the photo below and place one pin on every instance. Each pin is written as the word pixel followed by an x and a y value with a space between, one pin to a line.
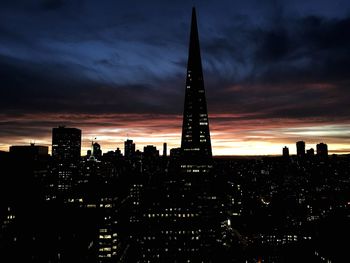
pixel 189 207
pixel 195 140
pixel 175 152
pixel 150 152
pixel 180 219
pixel 66 145
pixel 118 153
pixel 285 151
pixel 310 152
pixel 197 181
pixel 129 149
pixel 322 149
pixel 164 149
pixel 96 150
pixel 300 148
pixel 31 151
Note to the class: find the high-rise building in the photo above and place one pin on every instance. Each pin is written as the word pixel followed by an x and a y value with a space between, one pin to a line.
pixel 164 149
pixel 66 145
pixel 150 152
pixel 300 148
pixel 175 153
pixel 118 153
pixel 31 151
pixel 129 148
pixel 285 151
pixel 195 140
pixel 310 152
pixel 96 151
pixel 322 149
pixel 183 220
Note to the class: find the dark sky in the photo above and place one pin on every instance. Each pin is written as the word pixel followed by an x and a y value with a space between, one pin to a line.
pixel 275 71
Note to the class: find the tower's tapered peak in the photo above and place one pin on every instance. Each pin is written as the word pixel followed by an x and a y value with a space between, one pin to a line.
pixel 194 55
pixel 195 142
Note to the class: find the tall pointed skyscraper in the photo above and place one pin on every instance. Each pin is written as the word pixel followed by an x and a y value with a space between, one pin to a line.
pixel 181 214
pixel 195 142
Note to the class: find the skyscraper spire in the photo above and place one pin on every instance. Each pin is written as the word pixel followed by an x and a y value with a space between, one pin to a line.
pixel 195 142
pixel 184 213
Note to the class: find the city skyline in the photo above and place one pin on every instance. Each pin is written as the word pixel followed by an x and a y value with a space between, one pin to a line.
pixel 274 73
pixel 127 205
pixel 87 151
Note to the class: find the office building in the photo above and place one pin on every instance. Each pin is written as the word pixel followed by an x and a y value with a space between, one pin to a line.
pixel 31 151
pixel 164 149
pixel 66 145
pixel 181 217
pixel 175 153
pixel 300 148
pixel 150 152
pixel 129 149
pixel 195 140
pixel 322 149
pixel 96 151
pixel 310 152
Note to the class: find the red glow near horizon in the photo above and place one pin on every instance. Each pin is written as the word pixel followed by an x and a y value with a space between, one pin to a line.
pixel 231 134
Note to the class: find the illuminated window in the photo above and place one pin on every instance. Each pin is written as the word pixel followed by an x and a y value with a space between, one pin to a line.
pixel 105 236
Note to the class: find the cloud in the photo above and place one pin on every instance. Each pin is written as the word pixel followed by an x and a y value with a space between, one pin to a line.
pixel 230 134
pixel 263 63
pixel 52 4
pixel 297 69
pixel 33 88
pixel 301 81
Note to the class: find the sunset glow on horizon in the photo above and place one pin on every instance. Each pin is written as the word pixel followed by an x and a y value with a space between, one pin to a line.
pixel 229 133
pixel 139 131
pixel 274 73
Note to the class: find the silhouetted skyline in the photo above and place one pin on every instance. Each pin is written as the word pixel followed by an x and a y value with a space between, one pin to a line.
pixel 185 207
pixel 276 72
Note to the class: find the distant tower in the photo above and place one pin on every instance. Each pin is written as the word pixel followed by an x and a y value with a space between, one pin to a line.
pixel 322 149
pixel 66 145
pixel 118 153
pixel 285 151
pixel 310 152
pixel 129 148
pixel 300 148
pixel 164 149
pixel 150 152
pixel 96 151
pixel 195 141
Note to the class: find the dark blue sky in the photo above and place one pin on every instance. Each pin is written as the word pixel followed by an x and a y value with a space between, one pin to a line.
pixel 263 60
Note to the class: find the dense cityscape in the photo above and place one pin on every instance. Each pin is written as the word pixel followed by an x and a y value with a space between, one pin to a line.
pixel 181 205
pixel 109 208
